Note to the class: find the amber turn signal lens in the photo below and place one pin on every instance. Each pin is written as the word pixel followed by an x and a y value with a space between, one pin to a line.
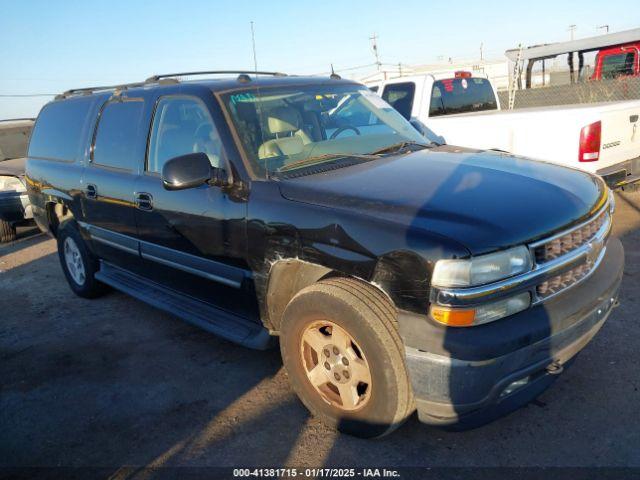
pixel 453 317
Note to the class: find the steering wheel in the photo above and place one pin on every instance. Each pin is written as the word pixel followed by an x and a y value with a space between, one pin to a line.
pixel 342 129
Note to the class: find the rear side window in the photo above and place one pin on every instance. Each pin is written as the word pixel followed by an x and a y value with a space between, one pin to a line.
pixel 400 96
pixel 117 134
pixel 58 132
pixel 619 65
pixel 461 95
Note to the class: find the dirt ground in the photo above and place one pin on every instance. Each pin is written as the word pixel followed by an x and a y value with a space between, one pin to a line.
pixel 113 382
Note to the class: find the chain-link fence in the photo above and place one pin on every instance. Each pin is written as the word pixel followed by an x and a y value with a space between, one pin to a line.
pixel 619 89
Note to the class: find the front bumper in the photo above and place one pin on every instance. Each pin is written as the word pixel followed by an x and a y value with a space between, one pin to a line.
pixel 464 377
pixel 15 207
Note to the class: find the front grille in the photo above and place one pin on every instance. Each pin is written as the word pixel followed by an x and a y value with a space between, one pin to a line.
pixel 560 282
pixel 565 244
pixel 571 240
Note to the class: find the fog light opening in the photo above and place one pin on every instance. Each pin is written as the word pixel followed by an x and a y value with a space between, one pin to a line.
pixel 517 385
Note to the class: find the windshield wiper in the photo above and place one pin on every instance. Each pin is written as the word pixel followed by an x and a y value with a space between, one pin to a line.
pixel 397 147
pixel 323 158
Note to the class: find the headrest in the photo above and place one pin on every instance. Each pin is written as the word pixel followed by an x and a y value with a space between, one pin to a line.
pixel 283 120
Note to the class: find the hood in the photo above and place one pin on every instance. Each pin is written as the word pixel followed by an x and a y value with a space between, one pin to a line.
pixel 14 167
pixel 483 200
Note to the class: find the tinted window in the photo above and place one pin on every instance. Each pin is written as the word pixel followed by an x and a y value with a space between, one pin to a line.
pixel 461 95
pixel 400 96
pixel 115 143
pixel 58 130
pixel 614 66
pixel 182 125
pixel 374 89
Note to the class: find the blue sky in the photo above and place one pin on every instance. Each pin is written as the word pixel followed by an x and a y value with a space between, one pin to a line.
pixel 50 46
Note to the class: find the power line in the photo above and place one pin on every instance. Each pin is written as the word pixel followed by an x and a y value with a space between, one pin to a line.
pixel 18 95
pixel 359 67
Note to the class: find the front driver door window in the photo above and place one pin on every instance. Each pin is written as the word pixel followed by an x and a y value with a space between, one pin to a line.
pixel 182 125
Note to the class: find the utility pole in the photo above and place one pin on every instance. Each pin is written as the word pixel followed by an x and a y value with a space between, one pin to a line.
pixel 606 27
pixel 572 28
pixel 481 45
pixel 374 46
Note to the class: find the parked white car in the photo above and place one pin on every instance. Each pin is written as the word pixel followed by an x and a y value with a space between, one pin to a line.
pixel 461 109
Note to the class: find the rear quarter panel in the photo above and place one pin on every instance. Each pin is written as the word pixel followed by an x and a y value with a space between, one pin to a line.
pixel 51 182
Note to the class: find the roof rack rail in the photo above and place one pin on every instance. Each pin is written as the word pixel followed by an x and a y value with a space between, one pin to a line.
pixel 89 90
pixel 156 78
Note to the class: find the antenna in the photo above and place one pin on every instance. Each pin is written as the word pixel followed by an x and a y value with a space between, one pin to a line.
pixel 334 75
pixel 253 43
pixel 259 103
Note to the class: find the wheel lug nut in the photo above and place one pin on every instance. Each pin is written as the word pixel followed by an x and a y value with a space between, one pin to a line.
pixel 326 352
pixel 327 366
pixel 345 361
pixel 337 376
pixel 336 351
pixel 346 374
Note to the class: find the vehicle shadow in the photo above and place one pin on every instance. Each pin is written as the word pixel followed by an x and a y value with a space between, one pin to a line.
pixel 26 237
pixel 114 382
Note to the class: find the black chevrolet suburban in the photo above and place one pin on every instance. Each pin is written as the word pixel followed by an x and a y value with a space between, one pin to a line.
pixel 398 274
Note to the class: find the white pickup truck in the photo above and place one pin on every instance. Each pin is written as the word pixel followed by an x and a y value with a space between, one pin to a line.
pixel 462 109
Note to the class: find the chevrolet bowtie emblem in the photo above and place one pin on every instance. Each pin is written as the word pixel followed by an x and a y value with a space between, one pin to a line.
pixel 593 250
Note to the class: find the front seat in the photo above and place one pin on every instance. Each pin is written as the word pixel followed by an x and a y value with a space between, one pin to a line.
pixel 285 124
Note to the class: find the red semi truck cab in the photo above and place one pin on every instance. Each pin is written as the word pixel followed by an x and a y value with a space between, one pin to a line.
pixel 618 61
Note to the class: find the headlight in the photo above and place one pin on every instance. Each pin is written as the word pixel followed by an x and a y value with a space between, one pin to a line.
pixel 467 317
pixel 11 184
pixel 482 269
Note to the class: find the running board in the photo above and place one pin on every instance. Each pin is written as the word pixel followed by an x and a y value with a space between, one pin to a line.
pixel 217 321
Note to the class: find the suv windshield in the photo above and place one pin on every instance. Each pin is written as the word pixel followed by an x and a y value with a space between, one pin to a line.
pixel 14 142
pixel 286 128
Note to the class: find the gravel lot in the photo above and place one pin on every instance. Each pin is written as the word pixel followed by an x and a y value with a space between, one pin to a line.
pixel 113 382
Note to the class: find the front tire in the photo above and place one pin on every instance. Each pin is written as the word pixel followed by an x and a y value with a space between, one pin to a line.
pixel 7 231
pixel 78 263
pixel 344 357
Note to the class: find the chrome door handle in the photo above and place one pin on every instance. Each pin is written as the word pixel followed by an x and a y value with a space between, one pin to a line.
pixel 91 191
pixel 144 201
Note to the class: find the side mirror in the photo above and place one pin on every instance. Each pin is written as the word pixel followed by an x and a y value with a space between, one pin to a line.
pixel 191 170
